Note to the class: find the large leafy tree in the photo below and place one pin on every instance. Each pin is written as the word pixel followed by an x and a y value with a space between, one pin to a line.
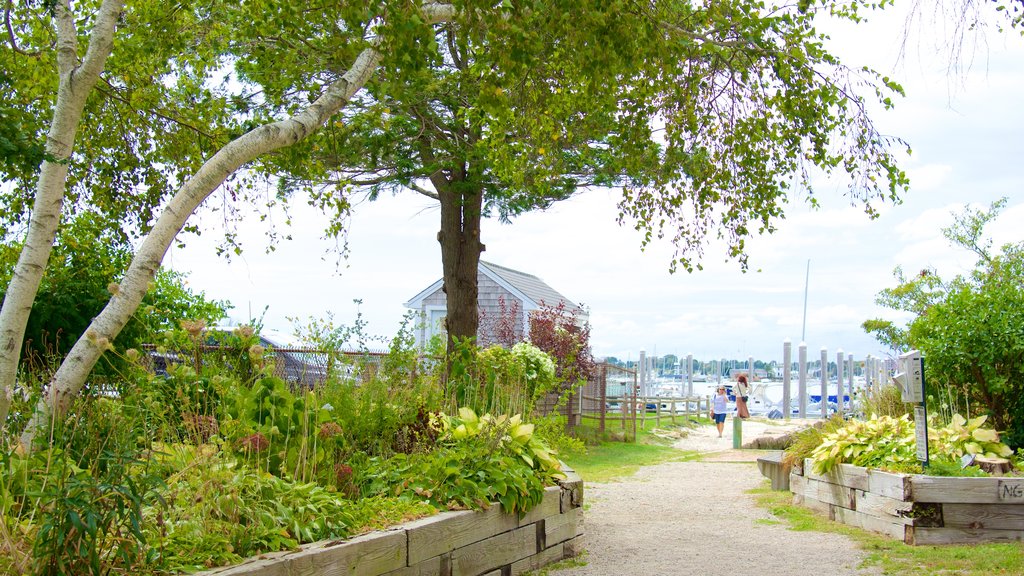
pixel 705 115
pixel 970 329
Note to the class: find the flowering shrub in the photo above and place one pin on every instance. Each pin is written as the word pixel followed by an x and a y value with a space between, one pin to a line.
pixel 539 369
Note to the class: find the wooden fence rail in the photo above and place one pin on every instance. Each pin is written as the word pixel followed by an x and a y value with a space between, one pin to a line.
pixel 623 408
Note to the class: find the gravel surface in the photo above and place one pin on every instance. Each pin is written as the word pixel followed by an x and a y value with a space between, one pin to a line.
pixel 695 518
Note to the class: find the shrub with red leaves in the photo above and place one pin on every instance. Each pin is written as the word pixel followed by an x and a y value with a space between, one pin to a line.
pixel 559 332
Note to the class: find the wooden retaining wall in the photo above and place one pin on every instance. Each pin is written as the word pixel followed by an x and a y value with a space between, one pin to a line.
pixel 916 509
pixel 463 543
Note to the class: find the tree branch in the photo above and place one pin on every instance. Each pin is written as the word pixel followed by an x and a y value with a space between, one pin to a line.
pixel 10 33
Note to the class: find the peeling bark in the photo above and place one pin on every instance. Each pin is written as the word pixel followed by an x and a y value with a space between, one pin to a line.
pixel 76 81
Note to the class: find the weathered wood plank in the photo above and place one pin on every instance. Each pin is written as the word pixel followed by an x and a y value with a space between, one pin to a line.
pixel 983 516
pixel 572 493
pixel 373 553
pixel 884 507
pixel 892 529
pixel 889 485
pixel 770 466
pixel 843 475
pixel 918 536
pixel 558 529
pixel 830 493
pixel 548 556
pixel 495 552
pixel 573 548
pixel 550 505
pixel 436 566
pixel 436 535
pixel 967 490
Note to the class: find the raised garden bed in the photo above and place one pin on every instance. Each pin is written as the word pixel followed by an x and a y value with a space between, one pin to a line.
pixel 917 509
pixel 464 543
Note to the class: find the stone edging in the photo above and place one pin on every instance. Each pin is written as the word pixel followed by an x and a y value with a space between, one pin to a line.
pixel 463 543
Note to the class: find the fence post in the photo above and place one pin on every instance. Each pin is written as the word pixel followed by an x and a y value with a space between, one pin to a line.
pixel 603 383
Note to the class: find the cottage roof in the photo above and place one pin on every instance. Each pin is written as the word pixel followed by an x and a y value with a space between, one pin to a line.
pixel 534 288
pixel 530 288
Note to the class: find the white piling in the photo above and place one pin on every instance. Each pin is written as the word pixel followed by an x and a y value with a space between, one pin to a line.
pixel 840 365
pixel 849 377
pixel 824 382
pixel 689 375
pixel 802 385
pixel 642 366
pixel 869 377
pixel 787 366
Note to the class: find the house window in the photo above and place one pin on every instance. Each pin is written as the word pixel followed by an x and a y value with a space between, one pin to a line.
pixel 436 326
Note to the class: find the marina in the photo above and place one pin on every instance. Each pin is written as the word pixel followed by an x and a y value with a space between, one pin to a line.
pixel 766 398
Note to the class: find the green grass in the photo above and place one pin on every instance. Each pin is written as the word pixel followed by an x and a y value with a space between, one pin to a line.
pixel 608 460
pixel 895 557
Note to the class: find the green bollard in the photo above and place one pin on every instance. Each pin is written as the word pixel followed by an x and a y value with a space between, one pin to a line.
pixel 737 432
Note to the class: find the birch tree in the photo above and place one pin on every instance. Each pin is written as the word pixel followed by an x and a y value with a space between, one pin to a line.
pixel 224 163
pixel 76 80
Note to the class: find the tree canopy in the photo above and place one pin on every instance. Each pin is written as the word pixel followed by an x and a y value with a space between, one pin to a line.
pixel 970 328
pixel 706 116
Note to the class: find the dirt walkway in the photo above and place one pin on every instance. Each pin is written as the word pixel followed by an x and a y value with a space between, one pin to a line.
pixel 686 518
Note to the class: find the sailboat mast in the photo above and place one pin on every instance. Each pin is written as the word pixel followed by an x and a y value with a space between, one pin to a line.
pixel 807 279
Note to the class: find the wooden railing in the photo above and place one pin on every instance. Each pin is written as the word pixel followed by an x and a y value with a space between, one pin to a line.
pixel 675 410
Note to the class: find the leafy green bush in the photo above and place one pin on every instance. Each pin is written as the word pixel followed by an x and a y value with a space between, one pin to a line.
pixel 499 380
pixel 200 468
pixel 218 512
pixel 889 443
pixel 805 441
pixel 873 443
pixel 479 460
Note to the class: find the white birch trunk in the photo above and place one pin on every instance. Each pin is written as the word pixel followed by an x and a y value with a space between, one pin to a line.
pixel 70 377
pixel 75 84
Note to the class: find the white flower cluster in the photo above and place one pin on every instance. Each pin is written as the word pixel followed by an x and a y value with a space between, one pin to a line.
pixel 539 365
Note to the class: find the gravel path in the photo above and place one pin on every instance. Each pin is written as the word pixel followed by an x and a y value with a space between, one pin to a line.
pixel 686 518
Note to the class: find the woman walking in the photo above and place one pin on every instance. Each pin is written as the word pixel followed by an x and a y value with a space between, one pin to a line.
pixel 719 405
pixel 742 391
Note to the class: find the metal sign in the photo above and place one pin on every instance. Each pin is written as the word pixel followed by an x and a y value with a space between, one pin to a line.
pixel 921 433
pixel 911 376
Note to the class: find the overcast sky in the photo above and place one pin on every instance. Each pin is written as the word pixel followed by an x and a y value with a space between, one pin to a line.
pixel 966 132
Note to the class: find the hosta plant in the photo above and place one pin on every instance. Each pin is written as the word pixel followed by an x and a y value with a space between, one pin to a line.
pixel 510 432
pixel 887 442
pixel 478 460
pixel 869 443
pixel 963 436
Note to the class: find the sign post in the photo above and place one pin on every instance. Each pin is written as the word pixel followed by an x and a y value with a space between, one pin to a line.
pixel 910 378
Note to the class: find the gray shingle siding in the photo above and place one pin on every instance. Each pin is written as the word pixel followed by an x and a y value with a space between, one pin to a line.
pixel 524 291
